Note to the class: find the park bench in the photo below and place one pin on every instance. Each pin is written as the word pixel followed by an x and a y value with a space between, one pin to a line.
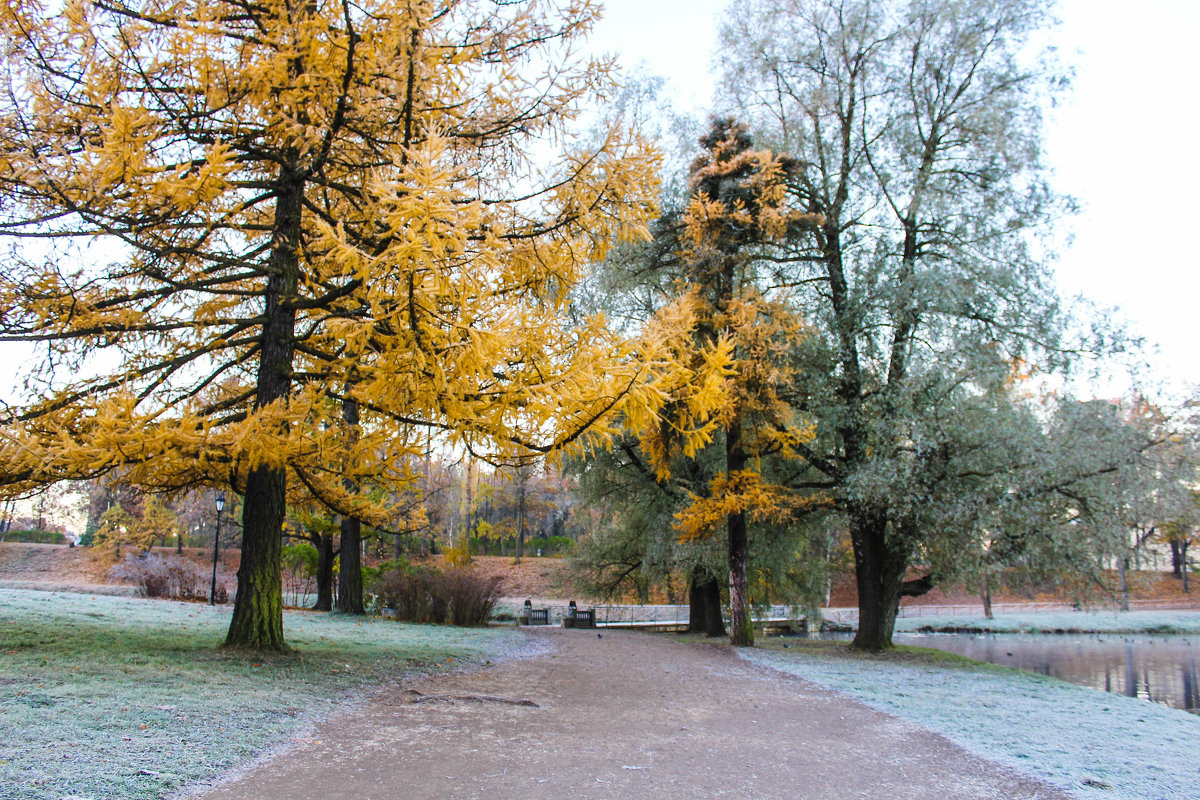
pixel 534 616
pixel 579 618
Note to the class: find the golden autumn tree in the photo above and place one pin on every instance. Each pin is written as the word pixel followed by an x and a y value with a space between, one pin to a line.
pixel 738 206
pixel 258 245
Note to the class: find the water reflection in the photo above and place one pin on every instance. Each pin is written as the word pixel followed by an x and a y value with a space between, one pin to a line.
pixel 1158 668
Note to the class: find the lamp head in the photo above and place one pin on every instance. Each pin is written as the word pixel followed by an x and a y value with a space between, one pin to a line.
pixel 220 503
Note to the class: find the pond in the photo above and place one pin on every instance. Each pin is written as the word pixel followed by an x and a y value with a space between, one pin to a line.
pixel 1158 668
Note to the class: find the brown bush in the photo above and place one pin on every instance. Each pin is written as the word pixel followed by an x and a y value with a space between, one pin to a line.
pixel 172 577
pixel 456 596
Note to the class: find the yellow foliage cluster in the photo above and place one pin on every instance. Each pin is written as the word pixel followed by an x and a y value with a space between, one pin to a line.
pixel 746 492
pixel 426 273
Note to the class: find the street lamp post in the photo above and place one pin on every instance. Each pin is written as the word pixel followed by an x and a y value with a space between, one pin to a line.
pixel 212 592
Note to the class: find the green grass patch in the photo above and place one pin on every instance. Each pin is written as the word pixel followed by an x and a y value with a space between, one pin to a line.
pixel 108 697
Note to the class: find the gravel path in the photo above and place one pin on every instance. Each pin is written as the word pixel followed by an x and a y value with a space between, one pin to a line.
pixel 622 715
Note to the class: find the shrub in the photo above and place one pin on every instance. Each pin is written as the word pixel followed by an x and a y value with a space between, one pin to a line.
pixel 456 596
pixel 459 555
pixel 173 577
pixel 373 576
pixel 34 536
pixel 299 564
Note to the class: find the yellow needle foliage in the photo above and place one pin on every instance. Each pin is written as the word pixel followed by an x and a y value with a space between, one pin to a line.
pixel 262 221
pixel 741 352
pixel 432 255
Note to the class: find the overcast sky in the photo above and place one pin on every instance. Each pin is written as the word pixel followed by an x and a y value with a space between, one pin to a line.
pixel 1123 143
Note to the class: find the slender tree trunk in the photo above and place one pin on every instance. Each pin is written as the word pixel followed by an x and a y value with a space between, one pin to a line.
pixel 1176 559
pixel 1122 569
pixel 1183 548
pixel 398 543
pixel 520 517
pixel 985 592
pixel 258 610
pixel 325 556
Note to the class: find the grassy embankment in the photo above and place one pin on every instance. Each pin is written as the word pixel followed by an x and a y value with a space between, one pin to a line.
pixel 1091 743
pixel 108 697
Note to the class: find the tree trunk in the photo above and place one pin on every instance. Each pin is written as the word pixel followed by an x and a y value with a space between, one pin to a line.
pixel 325 555
pixel 350 584
pixel 1122 568
pixel 879 573
pixel 1183 548
pixel 520 518
pixel 985 592
pixel 258 610
pixel 741 627
pixel 704 604
pixel 1176 559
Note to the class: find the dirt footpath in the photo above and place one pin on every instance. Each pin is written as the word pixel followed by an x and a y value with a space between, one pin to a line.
pixel 628 715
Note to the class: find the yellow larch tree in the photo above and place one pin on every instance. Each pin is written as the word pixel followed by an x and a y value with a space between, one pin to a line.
pixel 258 245
pixel 738 206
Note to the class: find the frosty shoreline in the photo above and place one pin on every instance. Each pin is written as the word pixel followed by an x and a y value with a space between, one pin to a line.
pixel 1091 743
pixel 1161 622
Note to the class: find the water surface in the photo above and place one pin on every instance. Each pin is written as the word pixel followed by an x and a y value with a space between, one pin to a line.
pixel 1158 668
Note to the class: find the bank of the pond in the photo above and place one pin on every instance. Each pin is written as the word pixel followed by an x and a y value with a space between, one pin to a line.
pixel 109 697
pixel 1093 744
pixel 1083 621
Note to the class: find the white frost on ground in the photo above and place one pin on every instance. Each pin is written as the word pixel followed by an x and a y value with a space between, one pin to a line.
pixel 110 698
pixel 1093 744
pixel 1087 621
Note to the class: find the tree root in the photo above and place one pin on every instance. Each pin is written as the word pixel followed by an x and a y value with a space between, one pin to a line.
pixel 417 697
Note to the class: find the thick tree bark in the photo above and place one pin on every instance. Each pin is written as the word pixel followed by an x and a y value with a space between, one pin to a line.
pixel 879 572
pixel 325 556
pixel 704 604
pixel 350 583
pixel 258 610
pixel 741 627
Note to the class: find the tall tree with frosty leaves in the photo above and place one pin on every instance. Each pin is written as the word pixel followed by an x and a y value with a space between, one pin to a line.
pixel 917 128
pixel 236 225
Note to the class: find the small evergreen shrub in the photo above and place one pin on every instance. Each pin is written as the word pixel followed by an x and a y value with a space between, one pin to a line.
pixel 455 596
pixel 172 577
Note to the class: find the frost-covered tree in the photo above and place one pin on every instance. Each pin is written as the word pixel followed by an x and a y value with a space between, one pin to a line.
pixel 916 126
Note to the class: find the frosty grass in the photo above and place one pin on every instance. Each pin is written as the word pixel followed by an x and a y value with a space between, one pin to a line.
pixel 107 697
pixel 1093 744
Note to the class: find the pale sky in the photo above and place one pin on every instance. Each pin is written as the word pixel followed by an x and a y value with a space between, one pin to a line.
pixel 1122 144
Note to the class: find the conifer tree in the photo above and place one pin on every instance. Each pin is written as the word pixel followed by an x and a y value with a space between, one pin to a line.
pixel 738 205
pixel 231 222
